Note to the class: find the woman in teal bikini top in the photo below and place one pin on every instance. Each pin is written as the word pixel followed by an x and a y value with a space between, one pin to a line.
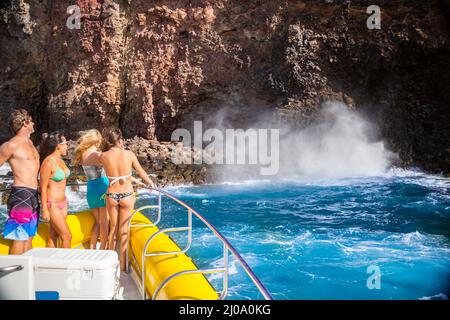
pixel 53 177
pixel 59 174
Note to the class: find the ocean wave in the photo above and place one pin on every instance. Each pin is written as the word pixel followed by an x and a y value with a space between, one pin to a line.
pixel 413 246
pixel 278 240
pixel 439 296
pixel 206 239
pixel 237 290
pixel 219 263
pixel 76 198
pixel 427 243
pixel 245 182
pixel 419 177
pixel 292 230
pixel 413 175
pixel 185 191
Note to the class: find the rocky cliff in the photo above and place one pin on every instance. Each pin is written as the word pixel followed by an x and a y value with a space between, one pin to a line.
pixel 152 66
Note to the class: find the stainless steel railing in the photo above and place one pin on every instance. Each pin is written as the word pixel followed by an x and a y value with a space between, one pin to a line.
pixel 227 248
pixel 146 254
pixel 10 269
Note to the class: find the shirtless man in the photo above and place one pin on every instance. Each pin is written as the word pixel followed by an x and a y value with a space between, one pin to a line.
pixel 23 203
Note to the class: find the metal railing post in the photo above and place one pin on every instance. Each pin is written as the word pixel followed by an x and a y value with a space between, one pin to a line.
pixel 225 274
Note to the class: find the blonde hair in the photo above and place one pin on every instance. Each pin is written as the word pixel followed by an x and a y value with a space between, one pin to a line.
pixel 88 139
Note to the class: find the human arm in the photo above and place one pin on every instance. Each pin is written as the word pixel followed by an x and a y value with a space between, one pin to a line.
pixel 6 152
pixel 45 174
pixel 141 172
pixel 139 182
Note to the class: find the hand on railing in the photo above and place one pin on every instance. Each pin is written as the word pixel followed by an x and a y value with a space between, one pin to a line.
pixel 151 185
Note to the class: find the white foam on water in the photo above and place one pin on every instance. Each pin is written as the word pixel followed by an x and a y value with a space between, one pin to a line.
pixel 76 197
pixel 277 239
pixel 245 182
pixel 238 289
pixel 417 176
pixel 219 263
pixel 439 296
pixel 185 191
pixel 4 170
pixel 413 246
pixel 206 238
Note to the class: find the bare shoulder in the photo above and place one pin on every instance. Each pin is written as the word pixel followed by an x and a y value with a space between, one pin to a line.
pixel 131 154
pixel 11 143
pixel 9 146
pixel 103 154
pixel 47 163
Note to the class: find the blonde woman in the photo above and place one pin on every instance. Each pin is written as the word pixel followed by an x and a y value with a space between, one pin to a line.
pixel 87 154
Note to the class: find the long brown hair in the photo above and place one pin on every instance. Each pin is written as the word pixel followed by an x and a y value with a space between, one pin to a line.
pixel 111 137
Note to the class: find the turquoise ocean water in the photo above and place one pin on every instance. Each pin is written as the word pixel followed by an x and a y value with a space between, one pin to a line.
pixel 321 239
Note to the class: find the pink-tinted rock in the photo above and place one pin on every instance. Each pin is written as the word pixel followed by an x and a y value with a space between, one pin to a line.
pixel 150 67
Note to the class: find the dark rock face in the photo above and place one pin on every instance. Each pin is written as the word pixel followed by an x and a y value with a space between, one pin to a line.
pixel 150 67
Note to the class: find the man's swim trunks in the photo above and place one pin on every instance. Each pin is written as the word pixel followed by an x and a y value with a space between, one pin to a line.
pixel 23 208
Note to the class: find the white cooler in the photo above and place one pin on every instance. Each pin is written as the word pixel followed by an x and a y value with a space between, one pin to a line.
pixel 76 274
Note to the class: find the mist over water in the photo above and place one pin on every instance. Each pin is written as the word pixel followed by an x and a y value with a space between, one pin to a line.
pixel 339 144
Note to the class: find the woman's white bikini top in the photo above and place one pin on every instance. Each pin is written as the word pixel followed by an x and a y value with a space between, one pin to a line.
pixel 118 178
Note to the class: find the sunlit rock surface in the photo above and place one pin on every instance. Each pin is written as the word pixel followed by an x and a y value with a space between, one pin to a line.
pixel 150 67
